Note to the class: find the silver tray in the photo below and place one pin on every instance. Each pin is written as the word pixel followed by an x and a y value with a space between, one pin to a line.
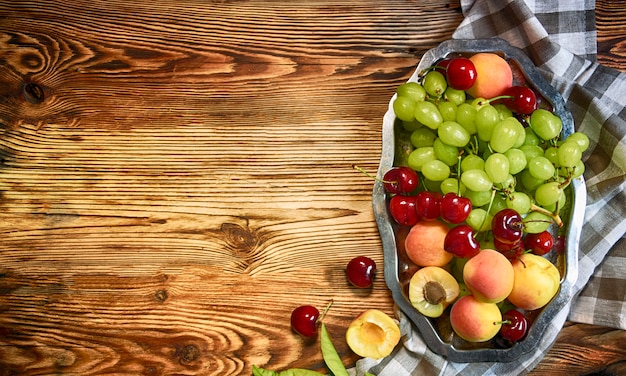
pixel 395 265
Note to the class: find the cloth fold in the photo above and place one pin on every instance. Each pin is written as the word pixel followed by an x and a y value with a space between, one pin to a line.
pixel 560 38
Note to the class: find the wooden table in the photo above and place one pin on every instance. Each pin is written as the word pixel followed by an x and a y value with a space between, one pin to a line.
pixel 176 177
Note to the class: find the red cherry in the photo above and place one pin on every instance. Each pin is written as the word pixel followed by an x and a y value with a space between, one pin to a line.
pixel 455 209
pixel 461 73
pixel 442 65
pixel 400 180
pixel 521 99
pixel 403 209
pixel 360 271
pixel 428 205
pixel 509 250
pixel 460 241
pixel 514 326
pixel 304 320
pixel 559 244
pixel 540 243
pixel 507 226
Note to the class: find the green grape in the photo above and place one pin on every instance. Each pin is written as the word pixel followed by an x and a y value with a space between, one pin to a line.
pixel 505 134
pixel 447 110
pixel 581 139
pixel 479 103
pixel 509 183
pixel 503 110
pixel 446 153
pixel 472 162
pixel 569 154
pixel 451 185
pixel 545 124
pixel 404 108
pixel 428 114
pixel 478 199
pixel 412 90
pixel 517 160
pixel 518 201
pixel 435 83
pixel 551 153
pixel 536 222
pixel 419 156
pixel 423 137
pixel 453 134
pixel 497 167
pixel 521 138
pixel 435 170
pixel 455 96
pixel 410 126
pixel 559 204
pixel 541 168
pixel 486 119
pixel 479 220
pixel 548 193
pixel 430 185
pixel 466 116
pixel 499 203
pixel 530 138
pixel 531 151
pixel 528 181
pixel 476 180
pixel 573 172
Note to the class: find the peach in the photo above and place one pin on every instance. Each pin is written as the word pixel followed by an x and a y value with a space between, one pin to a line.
pixel 424 244
pixel 493 75
pixel 489 276
pixel 373 334
pixel 537 281
pixel 475 321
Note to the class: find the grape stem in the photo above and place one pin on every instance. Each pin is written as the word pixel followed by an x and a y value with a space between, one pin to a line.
pixel 555 217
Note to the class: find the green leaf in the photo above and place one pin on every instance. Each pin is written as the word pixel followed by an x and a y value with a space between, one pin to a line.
pixel 299 372
pixel 330 355
pixel 257 371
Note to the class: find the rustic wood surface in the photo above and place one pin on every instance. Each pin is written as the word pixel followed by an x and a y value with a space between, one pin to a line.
pixel 175 178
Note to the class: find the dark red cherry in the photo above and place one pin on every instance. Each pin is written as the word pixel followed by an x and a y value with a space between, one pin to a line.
pixel 522 99
pixel 454 209
pixel 400 180
pixel 539 243
pixel 507 226
pixel 428 205
pixel 442 65
pixel 461 73
pixel 403 209
pixel 360 271
pixel 460 241
pixel 304 320
pixel 514 326
pixel 509 250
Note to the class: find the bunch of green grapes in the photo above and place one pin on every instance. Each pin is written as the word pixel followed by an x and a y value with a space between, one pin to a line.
pixel 483 150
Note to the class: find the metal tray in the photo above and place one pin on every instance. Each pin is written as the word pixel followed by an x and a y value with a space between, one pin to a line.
pixel 439 339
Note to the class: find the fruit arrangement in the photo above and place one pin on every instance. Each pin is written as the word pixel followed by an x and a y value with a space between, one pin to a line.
pixel 480 184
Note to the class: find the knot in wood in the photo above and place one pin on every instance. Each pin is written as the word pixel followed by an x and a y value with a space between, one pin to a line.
pixel 189 353
pixel 33 93
pixel 239 237
pixel 161 295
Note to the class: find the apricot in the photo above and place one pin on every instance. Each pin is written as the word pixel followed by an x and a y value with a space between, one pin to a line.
pixel 493 75
pixel 489 276
pixel 424 244
pixel 373 334
pixel 537 281
pixel 475 321
pixel 431 290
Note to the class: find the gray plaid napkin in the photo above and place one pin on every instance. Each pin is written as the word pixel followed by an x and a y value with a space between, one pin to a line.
pixel 559 36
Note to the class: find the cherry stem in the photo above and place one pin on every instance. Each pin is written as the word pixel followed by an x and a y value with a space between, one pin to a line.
pixel 555 217
pixel 372 176
pixel 319 319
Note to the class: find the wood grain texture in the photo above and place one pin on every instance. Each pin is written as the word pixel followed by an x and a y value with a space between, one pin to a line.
pixel 175 178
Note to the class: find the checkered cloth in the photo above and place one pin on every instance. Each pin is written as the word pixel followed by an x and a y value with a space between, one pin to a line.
pixel 559 36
